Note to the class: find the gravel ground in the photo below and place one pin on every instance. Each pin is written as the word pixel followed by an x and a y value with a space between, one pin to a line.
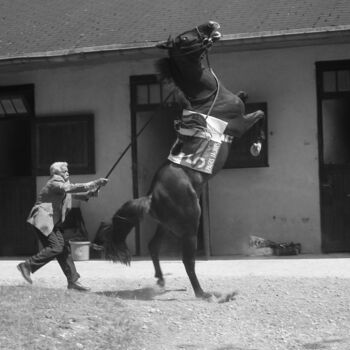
pixel 281 303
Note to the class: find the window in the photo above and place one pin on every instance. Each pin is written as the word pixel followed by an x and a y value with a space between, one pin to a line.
pixel 333 78
pixel 13 105
pixel 16 101
pixel 65 138
pixel 240 156
pixel 147 92
pixel 336 81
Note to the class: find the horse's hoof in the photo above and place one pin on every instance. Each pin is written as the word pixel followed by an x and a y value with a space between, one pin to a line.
pixel 161 282
pixel 218 297
pixel 225 297
pixel 204 295
pixel 243 96
pixel 255 149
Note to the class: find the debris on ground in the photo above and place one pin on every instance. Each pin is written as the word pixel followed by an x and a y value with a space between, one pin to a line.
pixel 259 246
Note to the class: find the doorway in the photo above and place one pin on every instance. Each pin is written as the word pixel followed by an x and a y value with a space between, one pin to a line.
pixel 153 111
pixel 333 88
pixel 17 180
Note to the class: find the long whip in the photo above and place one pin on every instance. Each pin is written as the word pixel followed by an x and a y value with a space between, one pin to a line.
pixel 137 135
pixel 127 148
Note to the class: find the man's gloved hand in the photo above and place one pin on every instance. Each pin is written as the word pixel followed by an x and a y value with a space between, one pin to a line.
pixel 101 182
pixel 96 184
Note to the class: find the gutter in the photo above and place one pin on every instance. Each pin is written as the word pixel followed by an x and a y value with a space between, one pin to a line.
pixel 288 38
pixel 241 42
pixel 289 32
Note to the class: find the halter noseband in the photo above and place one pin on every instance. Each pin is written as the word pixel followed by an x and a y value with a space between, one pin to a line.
pixel 205 43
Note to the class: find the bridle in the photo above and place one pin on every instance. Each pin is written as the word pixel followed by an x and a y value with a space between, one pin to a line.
pixel 204 44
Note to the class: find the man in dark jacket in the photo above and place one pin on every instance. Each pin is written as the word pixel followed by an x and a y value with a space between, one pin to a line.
pixel 47 216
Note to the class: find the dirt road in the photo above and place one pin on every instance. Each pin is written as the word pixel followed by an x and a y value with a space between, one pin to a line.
pixel 282 303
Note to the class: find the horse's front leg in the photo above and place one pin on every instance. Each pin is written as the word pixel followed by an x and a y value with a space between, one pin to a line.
pixel 189 248
pixel 256 146
pixel 154 249
pixel 254 117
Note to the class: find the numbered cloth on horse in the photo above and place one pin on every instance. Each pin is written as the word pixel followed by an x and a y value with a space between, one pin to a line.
pixel 198 142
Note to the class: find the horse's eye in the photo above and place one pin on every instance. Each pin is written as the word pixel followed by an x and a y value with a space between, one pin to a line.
pixel 185 38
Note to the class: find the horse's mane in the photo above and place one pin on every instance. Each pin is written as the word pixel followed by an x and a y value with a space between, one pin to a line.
pixel 163 66
pixel 166 72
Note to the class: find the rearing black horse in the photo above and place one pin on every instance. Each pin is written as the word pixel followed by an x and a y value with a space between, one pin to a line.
pixel 173 199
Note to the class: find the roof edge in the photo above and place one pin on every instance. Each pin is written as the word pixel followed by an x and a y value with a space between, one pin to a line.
pixel 289 32
pixel 81 51
pixel 255 38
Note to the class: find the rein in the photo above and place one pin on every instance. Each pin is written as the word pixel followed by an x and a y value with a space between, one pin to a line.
pixel 217 86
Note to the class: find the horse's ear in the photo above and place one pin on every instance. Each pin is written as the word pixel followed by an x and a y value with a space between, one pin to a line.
pixel 165 44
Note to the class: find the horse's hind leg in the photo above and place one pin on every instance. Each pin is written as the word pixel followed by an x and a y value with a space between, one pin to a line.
pixel 154 249
pixel 189 260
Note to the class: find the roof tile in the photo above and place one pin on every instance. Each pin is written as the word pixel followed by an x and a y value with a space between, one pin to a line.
pixel 37 26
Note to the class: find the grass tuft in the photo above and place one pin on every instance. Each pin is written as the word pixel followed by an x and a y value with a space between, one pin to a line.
pixel 42 318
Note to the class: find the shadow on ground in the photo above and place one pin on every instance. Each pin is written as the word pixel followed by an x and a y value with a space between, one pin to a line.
pixel 150 293
pixel 323 344
pixel 147 293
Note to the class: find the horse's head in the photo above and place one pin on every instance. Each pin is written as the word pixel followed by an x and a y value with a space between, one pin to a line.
pixel 196 40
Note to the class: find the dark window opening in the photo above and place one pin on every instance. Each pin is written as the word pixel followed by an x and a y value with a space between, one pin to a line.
pixel 333 79
pixel 13 105
pixel 240 155
pixel 65 138
pixel 16 115
pixel 336 81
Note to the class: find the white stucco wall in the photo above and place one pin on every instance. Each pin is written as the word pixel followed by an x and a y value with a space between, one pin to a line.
pixel 281 202
pixel 104 91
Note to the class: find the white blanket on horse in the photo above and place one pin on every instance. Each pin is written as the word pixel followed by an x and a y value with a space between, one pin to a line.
pixel 198 142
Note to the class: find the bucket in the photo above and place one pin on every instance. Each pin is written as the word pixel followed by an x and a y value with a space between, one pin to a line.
pixel 80 250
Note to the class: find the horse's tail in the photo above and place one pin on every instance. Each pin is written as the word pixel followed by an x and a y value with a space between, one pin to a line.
pixel 123 222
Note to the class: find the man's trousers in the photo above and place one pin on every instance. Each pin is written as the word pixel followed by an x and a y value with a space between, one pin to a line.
pixel 54 246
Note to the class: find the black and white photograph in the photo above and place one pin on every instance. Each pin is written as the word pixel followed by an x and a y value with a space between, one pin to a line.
pixel 174 175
